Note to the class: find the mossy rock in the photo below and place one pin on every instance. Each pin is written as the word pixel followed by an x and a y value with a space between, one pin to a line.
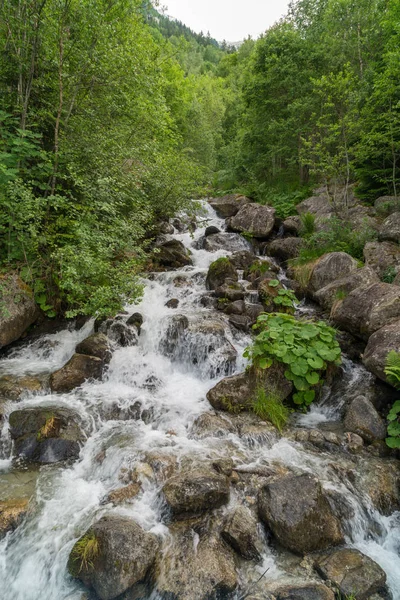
pixel 220 270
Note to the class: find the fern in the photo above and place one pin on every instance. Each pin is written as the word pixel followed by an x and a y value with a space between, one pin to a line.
pixel 392 368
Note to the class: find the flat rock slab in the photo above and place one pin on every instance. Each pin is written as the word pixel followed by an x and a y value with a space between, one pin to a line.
pixel 351 572
pixel 196 491
pixel 299 515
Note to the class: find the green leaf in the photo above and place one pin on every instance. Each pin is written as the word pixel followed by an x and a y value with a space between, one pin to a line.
pixel 312 378
pixel 316 363
pixel 273 283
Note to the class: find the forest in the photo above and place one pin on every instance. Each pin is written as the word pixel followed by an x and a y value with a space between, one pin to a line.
pixel 114 118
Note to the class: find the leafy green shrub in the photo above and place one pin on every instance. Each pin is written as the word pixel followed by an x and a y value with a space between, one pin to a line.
pixel 307 349
pixel 389 275
pixel 392 372
pixel 336 236
pixel 270 407
pixel 393 441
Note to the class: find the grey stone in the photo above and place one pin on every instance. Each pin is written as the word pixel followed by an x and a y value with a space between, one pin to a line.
pixel 363 419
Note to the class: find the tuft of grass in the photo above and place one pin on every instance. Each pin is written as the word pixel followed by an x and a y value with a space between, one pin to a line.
pixel 50 429
pixel 389 275
pixel 270 407
pixel 307 224
pixel 85 552
pixel 303 270
pixel 341 295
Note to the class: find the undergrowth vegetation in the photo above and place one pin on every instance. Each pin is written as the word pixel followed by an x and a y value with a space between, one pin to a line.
pixel 392 372
pixel 306 348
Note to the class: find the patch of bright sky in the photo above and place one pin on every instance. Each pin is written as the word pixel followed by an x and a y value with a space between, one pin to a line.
pixel 231 20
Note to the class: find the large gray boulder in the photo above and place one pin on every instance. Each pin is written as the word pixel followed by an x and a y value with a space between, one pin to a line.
pixel 231 242
pixel 362 418
pixel 292 225
pixel 330 267
pixel 240 532
pixel 172 254
pixel 45 435
pixel 97 345
pixel 390 229
pixel 328 295
pixel 119 554
pixel 255 220
pixel 379 345
pixel 78 369
pixel 228 206
pixel 299 515
pixel 318 205
pixel 368 308
pixel 382 255
pixel 18 309
pixel 196 491
pixel 219 271
pixel 285 248
pixel 195 564
pixel 351 572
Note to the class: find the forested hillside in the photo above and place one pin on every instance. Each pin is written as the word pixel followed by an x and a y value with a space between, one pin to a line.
pixel 113 118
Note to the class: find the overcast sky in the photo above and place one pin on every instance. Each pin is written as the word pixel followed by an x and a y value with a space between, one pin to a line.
pixel 231 20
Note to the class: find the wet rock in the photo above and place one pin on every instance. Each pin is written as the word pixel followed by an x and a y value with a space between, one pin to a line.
pixel 14 387
pixel 379 345
pixel 368 308
pixel 97 345
pixel 382 255
pixel 78 369
pixel 195 565
pixel 237 307
pixel 253 311
pixel 381 481
pixel 165 228
pixel 211 230
pixel 243 259
pixel 212 425
pixel 199 490
pixel 241 322
pixel 229 205
pixel 231 291
pixel 18 308
pixel 255 220
pixel 173 303
pixel 12 513
pixel 135 320
pixel 310 591
pixel 163 465
pixel 220 270
pixel 363 419
pixel 121 333
pixel 299 514
pixel 390 229
pixel 177 326
pixel 260 269
pixel 318 205
pixel 121 553
pixel 236 393
pixel 172 255
pixel 351 572
pixel 286 248
pixel 231 242
pixel 340 288
pixel 124 494
pixel 45 435
pixel 385 205
pixel 354 442
pixel 240 532
pixel 292 225
pixel 330 267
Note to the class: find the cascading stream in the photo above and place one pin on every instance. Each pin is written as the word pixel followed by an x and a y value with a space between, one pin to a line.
pixel 166 390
